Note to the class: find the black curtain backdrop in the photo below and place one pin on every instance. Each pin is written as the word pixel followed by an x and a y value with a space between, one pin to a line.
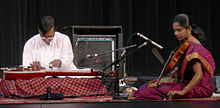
pixel 152 18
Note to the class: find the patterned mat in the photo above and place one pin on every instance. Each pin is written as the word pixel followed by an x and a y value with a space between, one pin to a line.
pixel 92 99
pixel 65 100
pixel 200 99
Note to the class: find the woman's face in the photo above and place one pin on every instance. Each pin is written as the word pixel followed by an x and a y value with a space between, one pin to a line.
pixel 180 32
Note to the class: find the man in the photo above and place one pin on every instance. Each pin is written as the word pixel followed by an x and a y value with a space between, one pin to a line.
pixel 48 49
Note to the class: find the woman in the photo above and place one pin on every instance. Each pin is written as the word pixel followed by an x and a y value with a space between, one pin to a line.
pixel 195 67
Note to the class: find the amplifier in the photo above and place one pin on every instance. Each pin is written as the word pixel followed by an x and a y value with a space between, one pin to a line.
pixel 94 46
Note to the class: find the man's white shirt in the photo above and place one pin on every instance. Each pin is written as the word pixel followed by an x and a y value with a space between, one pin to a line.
pixel 60 47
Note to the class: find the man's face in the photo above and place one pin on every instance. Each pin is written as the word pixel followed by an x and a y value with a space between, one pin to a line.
pixel 48 37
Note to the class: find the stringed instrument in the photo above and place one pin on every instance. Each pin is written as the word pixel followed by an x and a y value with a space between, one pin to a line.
pixel 23 74
pixel 172 62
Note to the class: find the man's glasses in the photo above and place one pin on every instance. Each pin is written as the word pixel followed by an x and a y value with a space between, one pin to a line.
pixel 47 37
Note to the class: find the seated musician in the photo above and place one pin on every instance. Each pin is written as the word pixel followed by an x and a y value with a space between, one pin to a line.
pixel 195 68
pixel 48 48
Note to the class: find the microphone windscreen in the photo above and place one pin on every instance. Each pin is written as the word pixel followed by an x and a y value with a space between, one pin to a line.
pixel 48 90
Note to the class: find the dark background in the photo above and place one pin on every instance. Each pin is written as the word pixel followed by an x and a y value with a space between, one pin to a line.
pixel 153 18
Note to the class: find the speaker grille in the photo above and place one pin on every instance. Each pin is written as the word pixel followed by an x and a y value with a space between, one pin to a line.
pixel 102 45
pixel 96 40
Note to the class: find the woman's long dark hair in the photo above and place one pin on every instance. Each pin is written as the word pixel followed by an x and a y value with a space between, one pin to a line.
pixel 196 31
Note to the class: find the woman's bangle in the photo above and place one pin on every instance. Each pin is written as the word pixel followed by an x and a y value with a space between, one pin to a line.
pixel 187 88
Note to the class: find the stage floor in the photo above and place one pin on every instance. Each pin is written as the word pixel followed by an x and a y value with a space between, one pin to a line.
pixel 132 104
pixel 108 102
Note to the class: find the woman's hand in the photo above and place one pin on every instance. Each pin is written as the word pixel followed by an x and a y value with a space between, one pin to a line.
pixel 174 94
pixel 173 74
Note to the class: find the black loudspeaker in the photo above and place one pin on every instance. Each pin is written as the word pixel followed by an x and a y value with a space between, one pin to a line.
pixel 94 46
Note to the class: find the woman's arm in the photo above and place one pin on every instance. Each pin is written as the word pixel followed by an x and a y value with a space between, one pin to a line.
pixel 198 74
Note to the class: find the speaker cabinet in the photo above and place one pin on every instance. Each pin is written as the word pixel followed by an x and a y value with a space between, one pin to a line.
pixel 94 47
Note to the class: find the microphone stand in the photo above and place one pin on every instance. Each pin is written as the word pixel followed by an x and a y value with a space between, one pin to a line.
pixel 116 63
pixel 115 50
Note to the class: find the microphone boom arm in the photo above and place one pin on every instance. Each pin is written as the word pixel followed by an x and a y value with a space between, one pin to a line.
pixel 116 94
pixel 95 55
pixel 118 60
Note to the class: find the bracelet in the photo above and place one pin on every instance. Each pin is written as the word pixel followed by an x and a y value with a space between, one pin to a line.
pixel 187 87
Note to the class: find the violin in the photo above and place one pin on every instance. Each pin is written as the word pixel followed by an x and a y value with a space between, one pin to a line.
pixel 175 58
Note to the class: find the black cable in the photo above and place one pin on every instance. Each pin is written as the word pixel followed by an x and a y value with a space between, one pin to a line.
pixel 130 38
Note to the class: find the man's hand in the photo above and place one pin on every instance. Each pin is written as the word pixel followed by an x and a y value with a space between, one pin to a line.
pixel 36 65
pixel 55 63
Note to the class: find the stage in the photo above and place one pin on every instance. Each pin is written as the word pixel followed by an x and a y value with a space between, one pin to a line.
pixel 115 104
pixel 109 102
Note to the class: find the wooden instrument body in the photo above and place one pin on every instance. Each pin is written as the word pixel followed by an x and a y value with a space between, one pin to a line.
pixel 176 56
pixel 19 74
pixel 172 62
pixel 13 75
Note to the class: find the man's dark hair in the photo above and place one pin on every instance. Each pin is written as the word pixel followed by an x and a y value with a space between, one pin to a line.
pixel 45 24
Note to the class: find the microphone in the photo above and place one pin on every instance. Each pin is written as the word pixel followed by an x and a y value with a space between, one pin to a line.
pixel 145 43
pixel 152 42
pixel 123 53
pixel 48 92
pixel 91 56
pixel 51 96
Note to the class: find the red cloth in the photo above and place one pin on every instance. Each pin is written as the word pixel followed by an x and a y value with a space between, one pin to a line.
pixel 66 86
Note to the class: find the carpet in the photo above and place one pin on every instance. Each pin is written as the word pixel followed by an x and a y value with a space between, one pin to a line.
pixel 200 99
pixel 85 99
pixel 92 99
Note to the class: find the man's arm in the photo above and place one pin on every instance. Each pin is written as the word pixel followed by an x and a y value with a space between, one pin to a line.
pixel 67 54
pixel 27 56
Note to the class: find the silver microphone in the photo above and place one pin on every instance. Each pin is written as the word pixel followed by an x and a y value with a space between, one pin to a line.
pixel 123 53
pixel 152 42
